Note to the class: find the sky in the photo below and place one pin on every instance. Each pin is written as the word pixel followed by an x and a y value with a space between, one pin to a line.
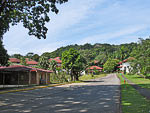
pixel 85 21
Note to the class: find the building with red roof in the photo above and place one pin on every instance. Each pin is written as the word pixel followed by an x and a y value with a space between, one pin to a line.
pixel 23 75
pixel 95 67
pixel 125 65
pixel 92 68
pixel 96 61
pixel 31 63
pixel 58 60
pixel 14 60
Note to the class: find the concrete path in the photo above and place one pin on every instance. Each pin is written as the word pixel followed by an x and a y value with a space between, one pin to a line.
pixel 95 96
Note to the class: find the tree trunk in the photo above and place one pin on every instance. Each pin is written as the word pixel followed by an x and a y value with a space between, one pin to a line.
pixel 71 73
pixel 77 77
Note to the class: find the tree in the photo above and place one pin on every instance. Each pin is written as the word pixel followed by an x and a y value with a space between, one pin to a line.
pixel 44 63
pixel 23 61
pixel 3 55
pixel 111 65
pixel 141 53
pixel 35 57
pixel 32 13
pixel 102 58
pixel 19 56
pixel 53 65
pixel 73 62
pixel 29 55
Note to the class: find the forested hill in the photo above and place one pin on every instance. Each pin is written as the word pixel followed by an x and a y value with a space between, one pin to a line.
pixel 100 52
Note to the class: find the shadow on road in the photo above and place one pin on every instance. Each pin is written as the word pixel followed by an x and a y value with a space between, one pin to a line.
pixel 92 81
pixel 79 99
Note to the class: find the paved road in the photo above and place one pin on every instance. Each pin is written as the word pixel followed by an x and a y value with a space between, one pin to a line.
pixel 95 96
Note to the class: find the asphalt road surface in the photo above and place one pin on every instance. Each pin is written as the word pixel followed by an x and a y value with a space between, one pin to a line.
pixel 95 96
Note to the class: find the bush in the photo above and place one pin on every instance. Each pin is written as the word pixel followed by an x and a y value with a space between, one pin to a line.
pixel 59 78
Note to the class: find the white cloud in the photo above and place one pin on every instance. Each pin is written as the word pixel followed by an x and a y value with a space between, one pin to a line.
pixel 14 51
pixel 111 35
pixel 84 21
pixel 73 13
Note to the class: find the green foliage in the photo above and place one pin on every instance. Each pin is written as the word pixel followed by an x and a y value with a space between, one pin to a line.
pixel 141 53
pixel 89 77
pixel 141 81
pixel 99 52
pixel 23 61
pixel 32 13
pixel 44 63
pixel 131 100
pixel 3 55
pixel 111 65
pixel 35 57
pixel 53 65
pixel 19 56
pixel 59 78
pixel 29 55
pixel 102 58
pixel 72 61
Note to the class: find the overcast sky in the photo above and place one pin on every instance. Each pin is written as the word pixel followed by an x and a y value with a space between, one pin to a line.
pixel 85 21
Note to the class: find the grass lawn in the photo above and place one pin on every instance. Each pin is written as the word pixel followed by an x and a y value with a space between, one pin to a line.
pixel 88 77
pixel 144 83
pixel 132 101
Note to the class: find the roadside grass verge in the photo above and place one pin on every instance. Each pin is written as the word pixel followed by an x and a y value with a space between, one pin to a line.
pixel 132 101
pixel 89 77
pixel 144 83
pixel 57 79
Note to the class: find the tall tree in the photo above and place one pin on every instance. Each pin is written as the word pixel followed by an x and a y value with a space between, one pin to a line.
pixel 33 13
pixel 3 55
pixel 35 57
pixel 23 61
pixel 111 65
pixel 44 63
pixel 16 56
pixel 73 62
pixel 29 55
pixel 53 65
pixel 141 53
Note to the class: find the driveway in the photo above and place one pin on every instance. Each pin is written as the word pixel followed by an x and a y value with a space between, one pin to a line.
pixel 95 96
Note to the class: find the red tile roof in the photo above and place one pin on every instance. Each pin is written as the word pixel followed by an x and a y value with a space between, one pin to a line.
pixel 120 66
pixel 96 61
pixel 130 58
pixel 14 60
pixel 32 62
pixel 92 67
pixel 22 68
pixel 120 62
pixel 57 59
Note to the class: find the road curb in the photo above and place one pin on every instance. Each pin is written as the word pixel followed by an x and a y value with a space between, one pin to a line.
pixel 33 88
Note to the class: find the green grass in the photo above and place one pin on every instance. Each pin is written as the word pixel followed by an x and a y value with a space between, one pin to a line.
pixel 144 83
pixel 64 78
pixel 88 77
pixel 132 101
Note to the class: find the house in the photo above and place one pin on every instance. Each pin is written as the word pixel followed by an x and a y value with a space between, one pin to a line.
pixel 31 63
pixel 14 60
pixel 96 61
pixel 58 60
pixel 23 75
pixel 125 65
pixel 92 68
